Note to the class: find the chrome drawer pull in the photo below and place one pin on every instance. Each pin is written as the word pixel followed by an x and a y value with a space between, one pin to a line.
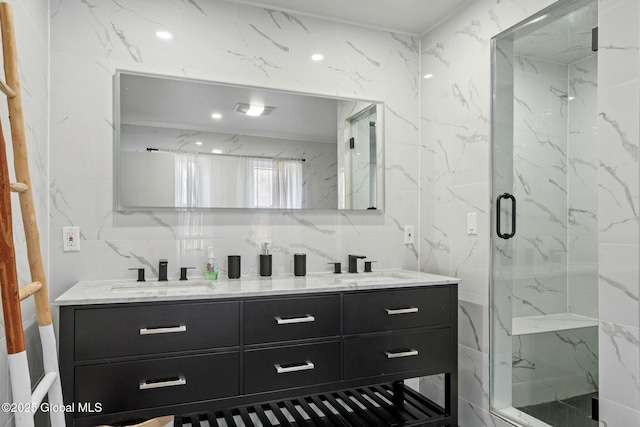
pixel 152 331
pixel 305 319
pixel 391 311
pixel 304 367
pixel 160 384
pixel 408 353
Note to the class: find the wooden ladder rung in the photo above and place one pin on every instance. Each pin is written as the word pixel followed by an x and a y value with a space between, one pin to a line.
pixel 18 187
pixel 7 90
pixel 30 289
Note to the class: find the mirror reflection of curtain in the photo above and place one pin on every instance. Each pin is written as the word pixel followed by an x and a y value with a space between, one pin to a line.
pixel 215 181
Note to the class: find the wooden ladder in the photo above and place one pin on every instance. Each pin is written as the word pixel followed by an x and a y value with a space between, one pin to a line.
pixel 25 402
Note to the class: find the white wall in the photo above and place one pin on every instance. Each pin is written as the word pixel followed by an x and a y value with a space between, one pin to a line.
pixel 31 19
pixel 234 43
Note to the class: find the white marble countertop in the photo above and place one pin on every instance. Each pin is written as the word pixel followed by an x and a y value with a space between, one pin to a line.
pixel 120 291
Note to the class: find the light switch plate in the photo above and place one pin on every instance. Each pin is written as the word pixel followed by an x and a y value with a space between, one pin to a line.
pixel 70 239
pixel 472 223
pixel 409 238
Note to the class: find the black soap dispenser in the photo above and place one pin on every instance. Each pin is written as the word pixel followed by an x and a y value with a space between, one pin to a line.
pixel 265 260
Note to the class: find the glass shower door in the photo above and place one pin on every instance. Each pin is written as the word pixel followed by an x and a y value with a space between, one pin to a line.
pixel 544 240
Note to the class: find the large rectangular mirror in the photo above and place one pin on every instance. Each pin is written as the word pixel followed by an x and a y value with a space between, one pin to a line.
pixel 189 144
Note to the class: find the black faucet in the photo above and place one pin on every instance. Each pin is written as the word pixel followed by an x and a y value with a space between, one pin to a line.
pixel 162 271
pixel 353 262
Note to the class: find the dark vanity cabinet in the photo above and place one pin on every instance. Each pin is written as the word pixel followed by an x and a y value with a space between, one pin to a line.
pixel 138 360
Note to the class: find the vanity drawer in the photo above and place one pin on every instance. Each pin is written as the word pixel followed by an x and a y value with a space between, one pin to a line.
pixel 139 330
pixel 291 366
pixel 398 309
pixel 144 384
pixel 286 319
pixel 391 353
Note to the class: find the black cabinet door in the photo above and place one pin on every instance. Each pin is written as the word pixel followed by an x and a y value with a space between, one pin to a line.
pixel 152 383
pixel 395 352
pixel 128 331
pixel 397 309
pixel 285 319
pixel 291 366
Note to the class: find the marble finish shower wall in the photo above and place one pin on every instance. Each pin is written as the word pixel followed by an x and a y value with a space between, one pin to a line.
pixel 618 210
pixel 540 186
pixel 455 149
pixel 31 20
pixel 319 171
pixel 582 189
pixel 554 365
pixel 455 180
pixel 232 43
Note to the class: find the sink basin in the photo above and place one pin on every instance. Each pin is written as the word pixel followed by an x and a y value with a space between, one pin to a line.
pixel 380 277
pixel 386 275
pixel 174 288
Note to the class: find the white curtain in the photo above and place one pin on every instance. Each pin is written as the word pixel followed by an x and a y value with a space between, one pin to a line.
pixel 288 184
pixel 234 182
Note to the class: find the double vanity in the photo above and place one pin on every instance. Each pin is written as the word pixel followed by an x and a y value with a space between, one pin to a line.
pixel 136 350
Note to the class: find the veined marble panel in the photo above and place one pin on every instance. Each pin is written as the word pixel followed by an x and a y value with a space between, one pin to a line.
pixel 233 43
pixel 619 349
pixel 618 124
pixel 473 383
pixel 554 365
pixel 618 204
pixel 618 42
pixel 618 284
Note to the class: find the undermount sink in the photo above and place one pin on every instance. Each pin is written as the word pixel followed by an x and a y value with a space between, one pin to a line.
pixel 374 277
pixel 169 287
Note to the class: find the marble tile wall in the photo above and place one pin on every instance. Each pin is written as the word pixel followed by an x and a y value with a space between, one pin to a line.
pixel 582 184
pixel 554 365
pixel 455 151
pixel 540 112
pixel 31 20
pixel 233 43
pixel 618 197
pixel 455 147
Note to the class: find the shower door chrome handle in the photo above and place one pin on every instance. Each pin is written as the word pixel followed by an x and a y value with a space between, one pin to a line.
pixel 513 216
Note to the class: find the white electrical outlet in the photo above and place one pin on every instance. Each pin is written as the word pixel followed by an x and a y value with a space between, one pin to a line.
pixel 472 223
pixel 70 239
pixel 409 238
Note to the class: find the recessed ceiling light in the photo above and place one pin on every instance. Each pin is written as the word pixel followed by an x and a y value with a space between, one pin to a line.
pixel 216 151
pixel 216 116
pixel 317 57
pixel 253 110
pixel 571 98
pixel 198 142
pixel 428 76
pixel 164 35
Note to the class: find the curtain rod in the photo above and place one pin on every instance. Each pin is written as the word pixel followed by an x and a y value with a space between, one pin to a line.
pixel 222 154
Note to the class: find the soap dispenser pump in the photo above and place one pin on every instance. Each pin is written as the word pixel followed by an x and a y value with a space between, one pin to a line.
pixel 265 260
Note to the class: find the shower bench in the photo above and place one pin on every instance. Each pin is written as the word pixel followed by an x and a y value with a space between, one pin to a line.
pixel 297 355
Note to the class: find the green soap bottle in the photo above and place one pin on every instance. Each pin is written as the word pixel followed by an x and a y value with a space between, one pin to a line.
pixel 211 266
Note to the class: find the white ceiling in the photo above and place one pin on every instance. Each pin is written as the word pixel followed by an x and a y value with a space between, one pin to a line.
pixel 402 16
pixel 188 104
